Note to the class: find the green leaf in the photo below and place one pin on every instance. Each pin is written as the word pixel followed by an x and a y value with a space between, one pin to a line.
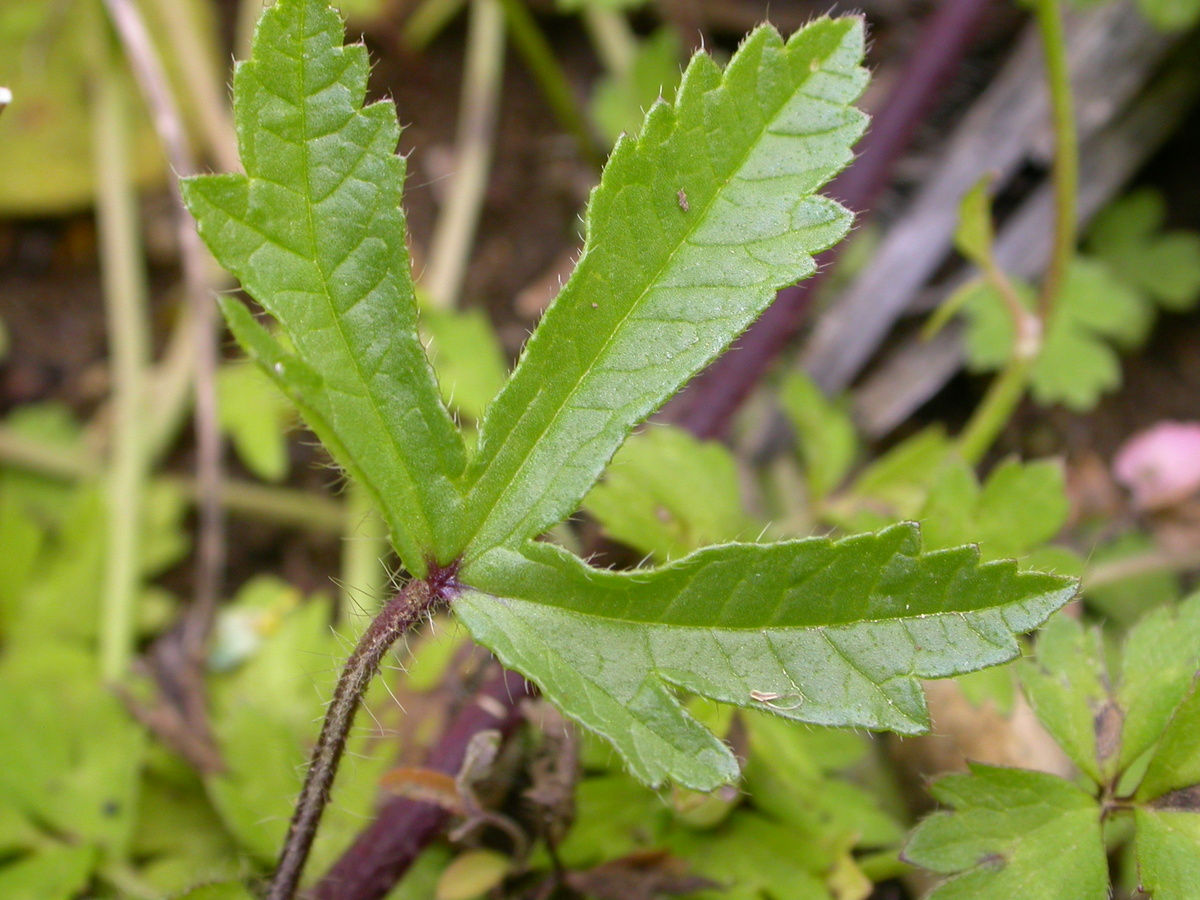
pixel 1172 777
pixel 620 100
pixel 467 357
pixel 315 233
pixel 974 235
pixel 1127 236
pixel 1077 363
pixel 1014 834
pixel 255 416
pixel 54 873
pixel 668 494
pixel 896 486
pixel 1158 667
pixel 1168 852
pixel 1020 506
pixel 660 288
pixel 825 433
pixel 1065 684
pixel 829 633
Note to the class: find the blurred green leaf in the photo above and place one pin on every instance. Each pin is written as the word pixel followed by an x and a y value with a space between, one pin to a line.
pixel 72 761
pixel 1128 237
pixel 667 493
pixel 255 415
pixel 266 714
pixel 1127 600
pixel 620 101
pixel 825 433
pixel 53 873
pixel 752 857
pixel 1065 682
pixel 1078 363
pixel 467 358
pixel 1019 507
pixel 895 487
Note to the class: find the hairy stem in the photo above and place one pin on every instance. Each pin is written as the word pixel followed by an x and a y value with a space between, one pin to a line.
pixel 1066 152
pixel 417 599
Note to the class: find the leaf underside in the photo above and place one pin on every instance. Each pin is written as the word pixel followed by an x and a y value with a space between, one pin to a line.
pixel 829 633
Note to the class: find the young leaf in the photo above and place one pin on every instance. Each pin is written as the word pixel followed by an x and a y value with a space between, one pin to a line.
pixel 1168 852
pixel 621 99
pixel 1128 238
pixel 1077 363
pixel 1020 506
pixel 1065 684
pixel 668 494
pixel 829 633
pixel 1014 834
pixel 665 283
pixel 974 235
pixel 1158 669
pixel 315 232
pixel 825 433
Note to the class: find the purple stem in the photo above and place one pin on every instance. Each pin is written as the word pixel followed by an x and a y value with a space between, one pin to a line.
pixel 710 401
pixel 385 849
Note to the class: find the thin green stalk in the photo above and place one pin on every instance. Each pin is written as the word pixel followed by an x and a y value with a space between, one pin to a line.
pixel 482 78
pixel 612 37
pixel 556 87
pixel 279 506
pixel 427 21
pixel 123 272
pixel 1001 400
pixel 365 546
pixel 189 42
pixel 1066 152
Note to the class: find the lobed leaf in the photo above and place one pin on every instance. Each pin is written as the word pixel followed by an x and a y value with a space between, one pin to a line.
pixel 829 633
pixel 1014 834
pixel 694 226
pixel 315 232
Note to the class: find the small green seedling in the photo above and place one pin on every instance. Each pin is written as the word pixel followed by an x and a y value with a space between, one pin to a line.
pixel 314 230
pixel 1131 728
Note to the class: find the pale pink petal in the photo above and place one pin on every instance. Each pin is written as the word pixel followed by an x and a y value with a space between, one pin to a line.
pixel 1161 465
